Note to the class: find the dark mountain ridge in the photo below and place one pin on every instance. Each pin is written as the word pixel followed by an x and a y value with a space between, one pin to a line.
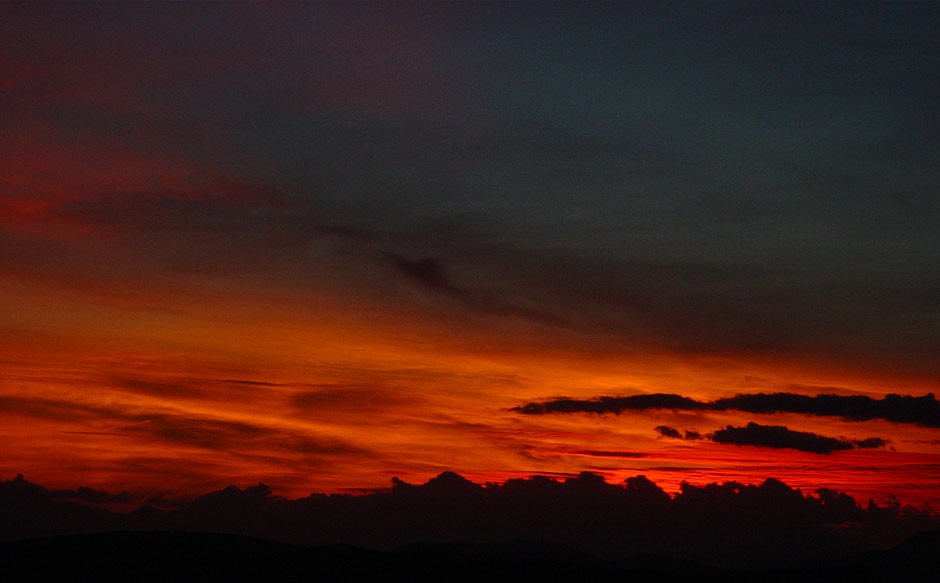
pixel 190 556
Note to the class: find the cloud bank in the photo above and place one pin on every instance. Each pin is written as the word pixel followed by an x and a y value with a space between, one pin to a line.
pixel 729 524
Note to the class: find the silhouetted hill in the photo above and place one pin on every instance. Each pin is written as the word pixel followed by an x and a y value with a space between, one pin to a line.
pixel 533 550
pixel 174 556
pixel 916 559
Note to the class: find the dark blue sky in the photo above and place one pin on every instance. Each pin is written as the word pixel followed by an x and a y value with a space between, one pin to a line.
pixel 750 175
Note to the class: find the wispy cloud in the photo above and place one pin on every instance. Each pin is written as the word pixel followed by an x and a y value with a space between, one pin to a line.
pixel 173 426
pixel 429 273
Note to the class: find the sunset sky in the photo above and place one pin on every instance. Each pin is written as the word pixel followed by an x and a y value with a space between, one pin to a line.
pixel 319 245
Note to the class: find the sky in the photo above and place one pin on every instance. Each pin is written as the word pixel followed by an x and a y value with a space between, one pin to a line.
pixel 322 245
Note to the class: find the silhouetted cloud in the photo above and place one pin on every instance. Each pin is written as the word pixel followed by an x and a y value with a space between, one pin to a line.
pixel 666 431
pixel 715 523
pixel 611 404
pixel 779 436
pixel 924 410
pixel 870 443
pixel 774 436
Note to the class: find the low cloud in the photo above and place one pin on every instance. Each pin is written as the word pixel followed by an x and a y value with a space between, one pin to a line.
pixel 924 411
pixel 776 436
pixel 780 437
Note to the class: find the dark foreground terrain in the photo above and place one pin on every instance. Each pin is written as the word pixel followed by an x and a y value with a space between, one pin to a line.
pixel 169 556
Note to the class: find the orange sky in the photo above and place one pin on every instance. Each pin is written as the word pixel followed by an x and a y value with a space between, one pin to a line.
pixel 145 390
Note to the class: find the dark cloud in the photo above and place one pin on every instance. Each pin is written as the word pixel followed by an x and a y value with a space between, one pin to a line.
pixel 779 437
pixel 611 404
pixel 923 410
pixel 774 436
pixel 727 524
pixel 870 443
pixel 666 431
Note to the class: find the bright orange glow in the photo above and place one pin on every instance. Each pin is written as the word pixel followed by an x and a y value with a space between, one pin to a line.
pixel 127 389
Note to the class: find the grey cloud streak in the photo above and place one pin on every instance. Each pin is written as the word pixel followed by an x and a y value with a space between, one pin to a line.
pixel 429 273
